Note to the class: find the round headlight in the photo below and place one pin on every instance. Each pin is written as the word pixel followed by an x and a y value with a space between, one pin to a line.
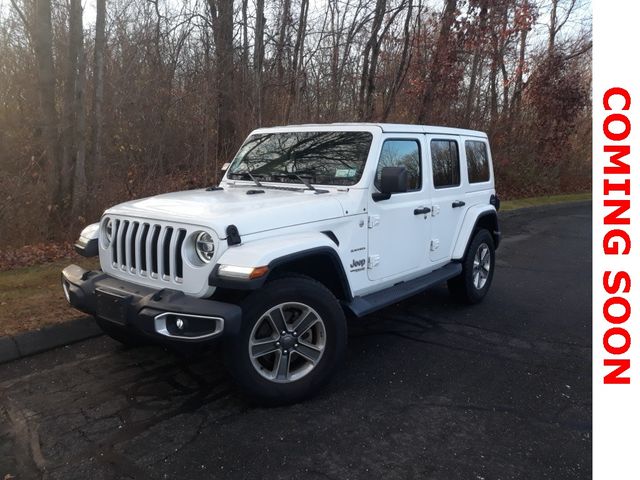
pixel 106 232
pixel 108 229
pixel 205 247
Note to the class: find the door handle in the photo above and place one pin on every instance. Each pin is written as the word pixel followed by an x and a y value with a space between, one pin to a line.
pixel 457 204
pixel 421 211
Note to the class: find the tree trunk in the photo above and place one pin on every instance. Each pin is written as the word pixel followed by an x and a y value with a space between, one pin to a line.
pixel 475 66
pixel 245 36
pixel 222 18
pixel 298 55
pixel 205 108
pixel 438 63
pixel 505 88
pixel 80 178
pixel 43 47
pixel 493 80
pixel 70 139
pixel 334 76
pixel 403 65
pixel 96 164
pixel 553 29
pixel 282 40
pixel 370 60
pixel 258 58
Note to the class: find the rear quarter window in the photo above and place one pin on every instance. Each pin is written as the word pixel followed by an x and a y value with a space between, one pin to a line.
pixel 477 161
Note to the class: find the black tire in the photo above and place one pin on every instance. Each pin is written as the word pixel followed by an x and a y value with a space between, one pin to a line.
pixel 119 334
pixel 251 372
pixel 465 287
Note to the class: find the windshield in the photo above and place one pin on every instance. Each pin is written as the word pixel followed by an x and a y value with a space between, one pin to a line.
pixel 325 158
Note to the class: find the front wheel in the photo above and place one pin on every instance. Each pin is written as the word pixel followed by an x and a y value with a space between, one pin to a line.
pixel 293 336
pixel 472 285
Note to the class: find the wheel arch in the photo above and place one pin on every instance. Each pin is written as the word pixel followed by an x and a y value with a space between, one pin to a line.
pixel 322 264
pixel 311 254
pixel 481 217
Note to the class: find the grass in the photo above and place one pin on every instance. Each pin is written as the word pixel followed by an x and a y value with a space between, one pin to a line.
pixel 535 201
pixel 31 297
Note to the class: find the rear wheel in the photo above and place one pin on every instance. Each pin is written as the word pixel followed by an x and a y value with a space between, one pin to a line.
pixel 472 285
pixel 292 338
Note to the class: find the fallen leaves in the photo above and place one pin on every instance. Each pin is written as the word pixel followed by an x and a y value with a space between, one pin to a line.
pixel 36 254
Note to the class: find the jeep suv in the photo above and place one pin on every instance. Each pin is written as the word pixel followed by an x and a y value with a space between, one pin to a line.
pixel 310 224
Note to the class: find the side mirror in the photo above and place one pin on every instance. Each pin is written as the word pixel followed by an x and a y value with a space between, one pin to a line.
pixel 392 180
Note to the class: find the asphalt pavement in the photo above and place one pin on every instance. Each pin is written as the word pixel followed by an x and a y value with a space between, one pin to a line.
pixel 430 390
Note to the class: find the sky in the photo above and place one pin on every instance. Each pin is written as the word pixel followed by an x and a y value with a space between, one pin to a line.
pixel 581 16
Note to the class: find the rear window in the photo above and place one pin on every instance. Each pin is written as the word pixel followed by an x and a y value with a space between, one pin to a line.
pixel 477 161
pixel 446 163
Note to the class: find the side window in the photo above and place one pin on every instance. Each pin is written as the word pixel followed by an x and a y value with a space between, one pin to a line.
pixel 477 161
pixel 446 163
pixel 401 153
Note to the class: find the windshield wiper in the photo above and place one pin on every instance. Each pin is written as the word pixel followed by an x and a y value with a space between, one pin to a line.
pixel 251 176
pixel 258 184
pixel 303 180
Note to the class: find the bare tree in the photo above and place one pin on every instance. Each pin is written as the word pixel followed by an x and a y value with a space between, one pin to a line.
pixel 222 19
pixel 296 64
pixel 258 58
pixel 70 106
pixel 174 85
pixel 98 90
pixel 370 61
pixel 557 20
pixel 402 65
pixel 439 61
pixel 285 18
pixel 478 39
pixel 79 175
pixel 42 35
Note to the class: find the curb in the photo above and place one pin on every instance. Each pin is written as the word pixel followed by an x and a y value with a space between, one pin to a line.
pixel 13 347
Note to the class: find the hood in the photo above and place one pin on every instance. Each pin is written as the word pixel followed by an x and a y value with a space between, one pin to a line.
pixel 250 213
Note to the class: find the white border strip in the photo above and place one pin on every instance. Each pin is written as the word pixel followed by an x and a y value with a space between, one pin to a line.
pixel 616 303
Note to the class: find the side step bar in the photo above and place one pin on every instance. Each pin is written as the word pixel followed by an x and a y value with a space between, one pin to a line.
pixel 361 306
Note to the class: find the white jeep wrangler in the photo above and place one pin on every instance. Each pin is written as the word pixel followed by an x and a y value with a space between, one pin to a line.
pixel 309 225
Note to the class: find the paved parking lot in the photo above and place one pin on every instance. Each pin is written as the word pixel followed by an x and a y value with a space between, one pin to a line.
pixel 430 389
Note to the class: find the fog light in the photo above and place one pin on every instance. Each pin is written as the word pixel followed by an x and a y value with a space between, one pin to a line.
pixel 187 326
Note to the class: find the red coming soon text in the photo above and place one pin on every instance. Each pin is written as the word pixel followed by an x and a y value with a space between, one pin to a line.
pixel 617 240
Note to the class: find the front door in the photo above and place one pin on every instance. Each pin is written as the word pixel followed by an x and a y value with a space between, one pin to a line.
pixel 448 199
pixel 398 231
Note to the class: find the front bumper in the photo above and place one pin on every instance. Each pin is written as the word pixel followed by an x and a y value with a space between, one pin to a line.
pixel 167 316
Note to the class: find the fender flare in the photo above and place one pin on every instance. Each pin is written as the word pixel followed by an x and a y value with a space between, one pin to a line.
pixel 276 252
pixel 472 218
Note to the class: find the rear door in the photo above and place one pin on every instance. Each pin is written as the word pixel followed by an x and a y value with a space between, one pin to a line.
pixel 479 170
pixel 398 227
pixel 448 203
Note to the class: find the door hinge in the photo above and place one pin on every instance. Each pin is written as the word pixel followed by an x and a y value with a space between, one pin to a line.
pixel 435 244
pixel 374 221
pixel 373 262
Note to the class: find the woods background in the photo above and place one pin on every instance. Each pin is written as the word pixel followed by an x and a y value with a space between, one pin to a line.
pixel 102 102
